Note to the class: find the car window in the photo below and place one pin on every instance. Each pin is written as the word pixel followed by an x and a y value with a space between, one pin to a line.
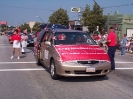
pixel 56 26
pixel 40 36
pixel 60 27
pixel 30 37
pixel 42 26
pixel 50 38
pixel 73 38
pixel 10 33
pixel 45 36
pixel 49 25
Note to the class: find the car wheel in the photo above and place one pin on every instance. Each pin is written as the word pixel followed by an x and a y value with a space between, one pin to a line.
pixel 38 61
pixel 53 70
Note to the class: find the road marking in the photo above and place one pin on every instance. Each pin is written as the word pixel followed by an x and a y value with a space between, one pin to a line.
pixel 35 62
pixel 123 62
pixel 124 68
pixel 5 44
pixel 16 62
pixel 42 69
pixel 27 69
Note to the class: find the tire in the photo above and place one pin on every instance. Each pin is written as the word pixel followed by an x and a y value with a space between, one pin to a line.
pixel 53 70
pixel 38 61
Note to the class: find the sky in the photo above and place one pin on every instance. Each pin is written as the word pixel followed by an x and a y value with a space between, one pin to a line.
pixel 17 12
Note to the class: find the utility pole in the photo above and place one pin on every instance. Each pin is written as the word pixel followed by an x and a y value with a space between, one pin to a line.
pixel 23 22
pixel 40 19
pixel 97 14
pixel 108 23
pixel 96 2
pixel 80 13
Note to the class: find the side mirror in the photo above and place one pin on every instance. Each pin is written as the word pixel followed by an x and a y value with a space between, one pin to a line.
pixel 48 43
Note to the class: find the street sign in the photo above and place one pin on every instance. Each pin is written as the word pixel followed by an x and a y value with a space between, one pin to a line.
pixel 75 9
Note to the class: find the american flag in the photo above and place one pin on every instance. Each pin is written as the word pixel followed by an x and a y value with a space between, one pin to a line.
pixel 54 38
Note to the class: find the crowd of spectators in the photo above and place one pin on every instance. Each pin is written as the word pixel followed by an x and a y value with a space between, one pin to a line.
pixel 129 44
pixel 101 38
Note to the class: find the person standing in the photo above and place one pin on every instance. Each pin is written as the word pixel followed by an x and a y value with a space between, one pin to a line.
pixel 16 43
pixel 128 45
pixel 103 41
pixel 18 28
pixel 24 39
pixel 123 45
pixel 111 43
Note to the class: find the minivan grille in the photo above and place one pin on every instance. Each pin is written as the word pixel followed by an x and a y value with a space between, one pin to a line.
pixel 88 62
pixel 84 72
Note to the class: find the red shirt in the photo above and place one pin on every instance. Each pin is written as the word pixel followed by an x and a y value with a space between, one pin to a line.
pixel 112 38
pixel 16 37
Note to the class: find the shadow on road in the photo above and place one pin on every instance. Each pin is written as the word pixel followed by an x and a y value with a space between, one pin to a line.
pixel 23 56
pixel 30 48
pixel 83 79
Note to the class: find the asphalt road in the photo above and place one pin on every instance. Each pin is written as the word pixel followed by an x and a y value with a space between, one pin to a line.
pixel 23 79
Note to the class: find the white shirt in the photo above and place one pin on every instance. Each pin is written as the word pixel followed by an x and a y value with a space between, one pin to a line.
pixel 24 40
pixel 128 43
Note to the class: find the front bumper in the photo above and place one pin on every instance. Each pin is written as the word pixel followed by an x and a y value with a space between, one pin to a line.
pixel 80 70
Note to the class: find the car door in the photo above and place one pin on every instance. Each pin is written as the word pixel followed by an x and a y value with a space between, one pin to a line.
pixel 43 47
pixel 48 50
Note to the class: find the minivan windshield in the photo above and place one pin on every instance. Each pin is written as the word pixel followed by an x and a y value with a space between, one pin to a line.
pixel 73 38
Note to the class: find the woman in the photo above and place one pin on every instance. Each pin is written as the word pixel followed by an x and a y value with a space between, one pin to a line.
pixel 16 43
pixel 24 39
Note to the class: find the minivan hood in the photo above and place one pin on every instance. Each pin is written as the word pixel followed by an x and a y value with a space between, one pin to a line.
pixel 81 52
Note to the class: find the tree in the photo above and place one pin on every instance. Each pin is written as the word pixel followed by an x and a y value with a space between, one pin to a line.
pixel 93 18
pixel 85 15
pixel 3 27
pixel 100 19
pixel 59 17
pixel 25 26
pixel 36 27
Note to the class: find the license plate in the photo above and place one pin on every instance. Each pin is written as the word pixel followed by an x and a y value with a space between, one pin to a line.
pixel 90 69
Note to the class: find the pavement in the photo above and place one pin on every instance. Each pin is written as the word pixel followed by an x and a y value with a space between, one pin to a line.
pixel 127 52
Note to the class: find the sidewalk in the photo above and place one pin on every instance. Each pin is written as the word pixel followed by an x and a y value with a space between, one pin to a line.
pixel 118 50
pixel 127 53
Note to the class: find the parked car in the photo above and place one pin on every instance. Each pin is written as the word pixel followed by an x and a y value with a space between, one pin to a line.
pixel 9 35
pixel 70 53
pixel 30 41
